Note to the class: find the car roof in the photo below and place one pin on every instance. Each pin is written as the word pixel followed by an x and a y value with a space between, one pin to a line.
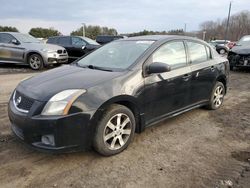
pixel 160 37
pixel 10 32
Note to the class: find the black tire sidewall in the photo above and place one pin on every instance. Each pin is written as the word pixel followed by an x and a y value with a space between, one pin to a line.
pixel 98 142
pixel 231 62
pixel 40 58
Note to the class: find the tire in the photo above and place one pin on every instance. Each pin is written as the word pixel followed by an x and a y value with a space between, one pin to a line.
pixel 109 140
pixel 231 62
pixel 217 96
pixel 222 51
pixel 35 62
pixel 231 67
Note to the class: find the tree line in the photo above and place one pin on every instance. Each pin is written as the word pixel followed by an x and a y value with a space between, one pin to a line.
pixel 91 31
pixel 239 25
pixel 146 32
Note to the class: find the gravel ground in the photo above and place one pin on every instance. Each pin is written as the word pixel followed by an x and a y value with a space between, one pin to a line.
pixel 200 148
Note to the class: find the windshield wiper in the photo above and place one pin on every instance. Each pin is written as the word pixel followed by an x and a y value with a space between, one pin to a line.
pixel 96 68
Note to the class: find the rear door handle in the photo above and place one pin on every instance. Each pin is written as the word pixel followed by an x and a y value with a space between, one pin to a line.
pixel 186 77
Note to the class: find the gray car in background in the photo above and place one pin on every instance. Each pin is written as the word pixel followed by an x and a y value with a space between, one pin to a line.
pixel 24 49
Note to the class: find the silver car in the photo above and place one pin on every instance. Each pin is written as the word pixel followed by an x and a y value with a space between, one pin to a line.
pixel 24 49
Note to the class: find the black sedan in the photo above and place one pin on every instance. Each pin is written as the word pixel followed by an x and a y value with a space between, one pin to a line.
pixel 119 89
pixel 76 46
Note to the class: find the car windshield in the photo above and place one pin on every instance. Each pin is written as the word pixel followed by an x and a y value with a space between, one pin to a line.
pixel 26 38
pixel 90 41
pixel 115 55
pixel 244 40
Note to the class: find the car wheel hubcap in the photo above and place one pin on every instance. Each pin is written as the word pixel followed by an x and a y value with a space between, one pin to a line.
pixel 218 96
pixel 35 62
pixel 222 51
pixel 117 131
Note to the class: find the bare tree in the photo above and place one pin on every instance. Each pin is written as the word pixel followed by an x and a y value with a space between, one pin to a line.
pixel 239 26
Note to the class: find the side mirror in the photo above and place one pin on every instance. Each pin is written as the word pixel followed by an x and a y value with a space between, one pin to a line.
pixel 158 67
pixel 14 41
pixel 83 47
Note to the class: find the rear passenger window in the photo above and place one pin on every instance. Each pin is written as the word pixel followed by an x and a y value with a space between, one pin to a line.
pixel 6 38
pixel 198 52
pixel 52 40
pixel 172 53
pixel 64 40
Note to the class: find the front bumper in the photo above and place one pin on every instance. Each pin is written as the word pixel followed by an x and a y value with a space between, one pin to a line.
pixel 240 60
pixel 71 132
pixel 55 58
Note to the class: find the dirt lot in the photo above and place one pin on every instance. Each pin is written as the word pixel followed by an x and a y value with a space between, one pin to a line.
pixel 197 149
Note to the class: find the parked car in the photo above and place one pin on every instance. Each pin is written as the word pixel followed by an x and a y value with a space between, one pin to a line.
pixel 102 99
pixel 221 46
pixel 104 39
pixel 24 49
pixel 76 46
pixel 230 45
pixel 239 55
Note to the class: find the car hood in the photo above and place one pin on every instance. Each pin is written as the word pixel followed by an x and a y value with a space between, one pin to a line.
pixel 244 50
pixel 43 86
pixel 41 46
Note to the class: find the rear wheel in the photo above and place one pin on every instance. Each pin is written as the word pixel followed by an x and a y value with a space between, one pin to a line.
pixel 115 130
pixel 217 96
pixel 35 61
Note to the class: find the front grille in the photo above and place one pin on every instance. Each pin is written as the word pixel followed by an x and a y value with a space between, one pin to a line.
pixel 243 60
pixel 21 102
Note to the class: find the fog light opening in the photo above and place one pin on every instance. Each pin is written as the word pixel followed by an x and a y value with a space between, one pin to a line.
pixel 48 140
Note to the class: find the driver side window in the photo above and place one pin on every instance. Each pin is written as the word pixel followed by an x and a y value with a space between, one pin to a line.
pixel 172 53
pixel 78 42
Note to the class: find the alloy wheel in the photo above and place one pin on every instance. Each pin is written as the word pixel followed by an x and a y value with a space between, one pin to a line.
pixel 218 96
pixel 117 131
pixel 35 62
pixel 222 51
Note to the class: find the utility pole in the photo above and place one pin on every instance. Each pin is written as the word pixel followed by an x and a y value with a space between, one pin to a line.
pixel 83 29
pixel 185 28
pixel 204 35
pixel 228 19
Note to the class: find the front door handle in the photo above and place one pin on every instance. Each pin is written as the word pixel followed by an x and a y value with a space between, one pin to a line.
pixel 212 68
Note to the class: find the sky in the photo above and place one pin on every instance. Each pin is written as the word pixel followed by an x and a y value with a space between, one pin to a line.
pixel 125 16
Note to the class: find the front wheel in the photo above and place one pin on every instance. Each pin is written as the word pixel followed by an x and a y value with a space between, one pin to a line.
pixel 231 60
pixel 231 67
pixel 114 131
pixel 222 51
pixel 217 96
pixel 35 61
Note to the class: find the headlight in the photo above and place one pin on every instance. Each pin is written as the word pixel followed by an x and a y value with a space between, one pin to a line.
pixel 48 50
pixel 61 102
